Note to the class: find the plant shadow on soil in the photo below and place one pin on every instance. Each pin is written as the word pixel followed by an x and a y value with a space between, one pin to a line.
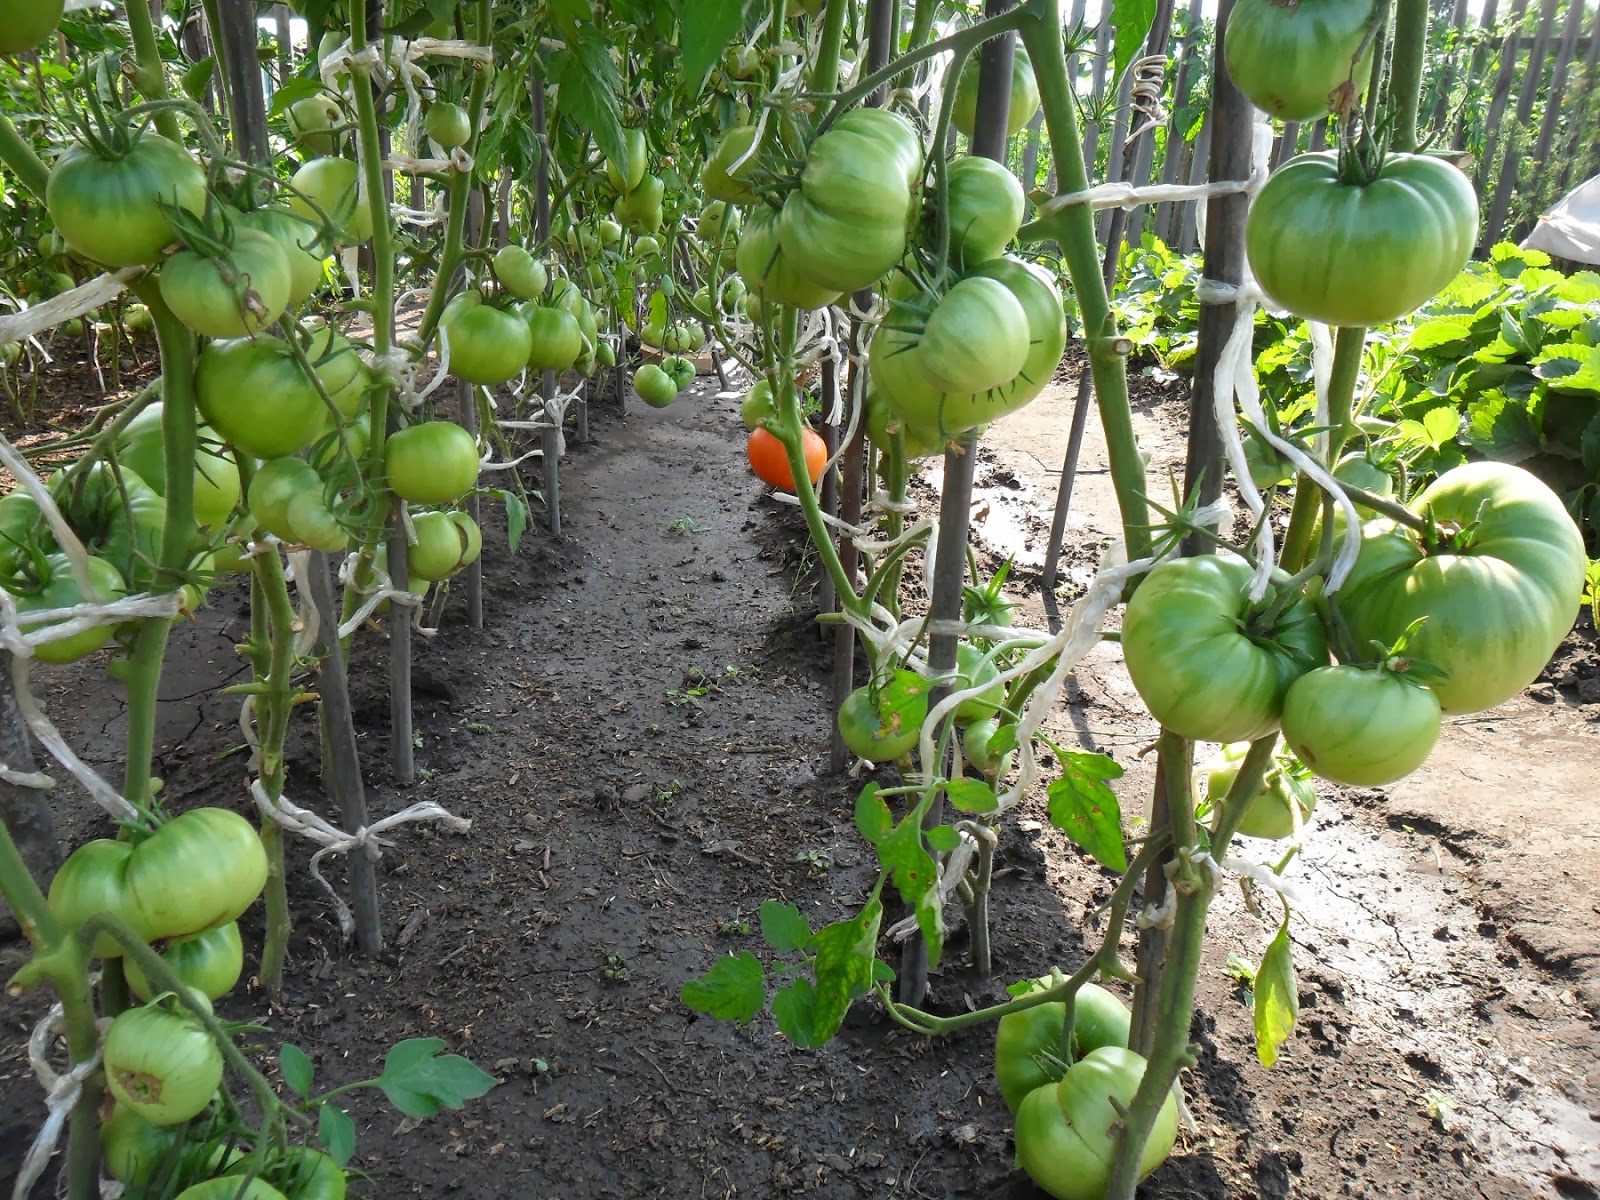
pixel 639 737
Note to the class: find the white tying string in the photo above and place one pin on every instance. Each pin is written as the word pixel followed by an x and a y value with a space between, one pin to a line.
pixel 332 840
pixel 74 302
pixel 382 588
pixel 61 1093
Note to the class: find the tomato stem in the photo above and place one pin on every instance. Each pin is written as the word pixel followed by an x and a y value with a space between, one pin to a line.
pixel 1349 343
pixel 19 158
pixel 1405 71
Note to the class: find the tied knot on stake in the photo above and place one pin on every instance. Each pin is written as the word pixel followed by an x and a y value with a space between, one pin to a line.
pixel 332 840
pixel 62 1092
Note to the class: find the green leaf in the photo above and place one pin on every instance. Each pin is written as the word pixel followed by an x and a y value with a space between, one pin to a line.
pixel 784 929
pixel 1437 332
pixel 1501 428
pixel 972 795
pixel 588 84
pixel 1441 425
pixel 1132 19
pixel 1570 368
pixel 707 28
pixel 419 1081
pixel 1589 445
pixel 198 75
pixel 1581 287
pixel 943 838
pixel 873 818
pixel 336 1131
pixel 296 1069
pixel 904 854
pixel 1277 997
pixel 1083 806
pixel 516 515
pixel 845 954
pixel 733 990
pixel 795 1007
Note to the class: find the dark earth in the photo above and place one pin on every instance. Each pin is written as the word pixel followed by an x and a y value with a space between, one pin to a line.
pixel 639 737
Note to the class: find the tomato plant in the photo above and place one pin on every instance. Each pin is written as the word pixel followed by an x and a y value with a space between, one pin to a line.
pixel 1350 253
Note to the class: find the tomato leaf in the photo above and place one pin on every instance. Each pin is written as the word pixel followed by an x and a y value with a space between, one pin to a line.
pixel 903 853
pixel 1132 19
pixel 419 1081
pixel 943 838
pixel 198 75
pixel 336 1131
pixel 296 1069
pixel 784 929
pixel 1277 997
pixel 290 93
pixel 1084 807
pixel 516 515
pixel 733 990
pixel 589 82
pixel 795 1007
pixel 846 951
pixel 971 795
pixel 873 818
pixel 708 27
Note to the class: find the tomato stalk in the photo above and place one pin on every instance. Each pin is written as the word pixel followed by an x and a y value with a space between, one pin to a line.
pixel 149 74
pixel 1347 350
pixel 20 159
pixel 1073 228
pixel 1405 71
pixel 825 70
pixel 1194 883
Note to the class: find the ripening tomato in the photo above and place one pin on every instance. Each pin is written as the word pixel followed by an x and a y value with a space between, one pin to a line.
pixel 1293 60
pixel 1026 1042
pixel 1360 726
pixel 57 587
pixel 985 209
pixel 487 345
pixel 109 209
pixel 768 271
pixel 161 1065
pixel 297 238
pixel 770 461
pixel 312 122
pixel 1024 93
pixel 441 543
pixel 200 869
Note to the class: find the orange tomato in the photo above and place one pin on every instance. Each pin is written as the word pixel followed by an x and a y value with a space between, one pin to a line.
pixel 770 461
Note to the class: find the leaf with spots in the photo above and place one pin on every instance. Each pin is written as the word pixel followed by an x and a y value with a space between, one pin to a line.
pixel 846 951
pixel 1083 806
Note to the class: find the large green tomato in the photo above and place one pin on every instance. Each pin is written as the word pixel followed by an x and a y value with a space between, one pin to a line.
pixel 897 370
pixel 254 394
pixel 132 1149
pixel 1292 60
pixel 227 1188
pixel 976 337
pixel 1499 595
pixel 1207 662
pixel 768 271
pixel 1347 254
pixel 471 538
pixel 99 504
pixel 297 238
pixel 522 274
pixel 628 174
pixel 435 462
pixel 210 962
pixel 26 23
pixel 333 184
pixel 1026 1041
pixel 202 868
pixel 715 176
pixel 882 722
pixel 985 209
pixel 140 449
pixel 1024 94
pixel 973 669
pixel 978 748
pixel 1361 726
pixel 89 883
pixel 848 221
pixel 276 483
pixel 1067 1134
pixel 109 209
pixel 301 1174
pixel 58 588
pixel 654 386
pixel 487 346
pixel 312 122
pixel 1270 813
pixel 232 297
pixel 555 338
pixel 640 210
pixel 163 1066
pixel 441 543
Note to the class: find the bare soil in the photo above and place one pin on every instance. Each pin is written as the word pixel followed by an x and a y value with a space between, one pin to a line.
pixel 640 739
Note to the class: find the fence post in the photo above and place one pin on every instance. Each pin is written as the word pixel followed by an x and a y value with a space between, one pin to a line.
pixel 1501 203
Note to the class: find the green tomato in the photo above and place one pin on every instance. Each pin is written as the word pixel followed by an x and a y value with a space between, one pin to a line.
pixel 471 538
pixel 985 209
pixel 132 1149
pixel 232 297
pixel 1208 664
pixel 847 222
pixel 1293 60
pixel 973 669
pixel 605 355
pixel 758 405
pixel 448 124
pixel 345 376
pixel 654 386
pixel 767 269
pixel 522 274
pixel 646 247
pixel 312 523
pixel 1024 94
pixel 435 462
pixel 639 211
pixel 57 588
pixel 313 121
pixel 1067 1134
pixel 1360 726
pixel 881 722
pixel 627 174
pixel 89 883
pixel 140 448
pixel 118 516
pixel 610 234
pixel 441 543
pixel 202 868
pixel 1027 1042
pixel 333 184
pixel 976 338
pixel 977 747
pixel 555 339
pixel 487 345
pixel 254 394
pixel 227 1188
pixel 1344 254
pixel 1270 813
pixel 109 209
pixel 274 486
pixel 681 370
pixel 1497 602
pixel 724 181
pixel 161 1065
pixel 210 962
pixel 301 1174
pixel 26 23
pixel 297 238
